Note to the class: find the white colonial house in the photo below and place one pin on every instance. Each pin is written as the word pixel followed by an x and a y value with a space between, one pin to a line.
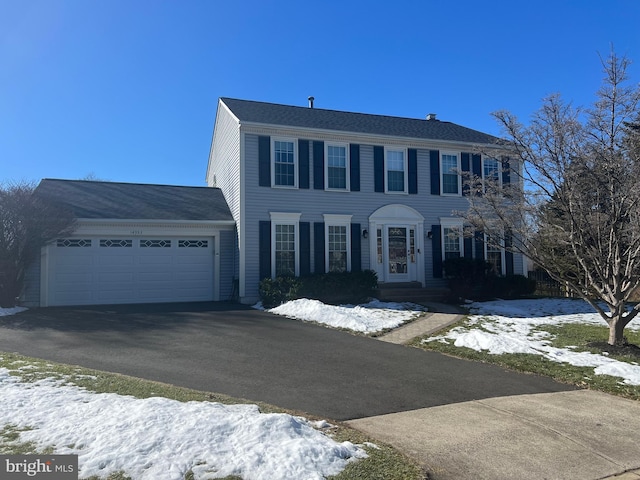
pixel 291 191
pixel 315 190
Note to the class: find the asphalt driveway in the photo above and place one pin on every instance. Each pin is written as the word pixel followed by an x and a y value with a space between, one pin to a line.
pixel 242 352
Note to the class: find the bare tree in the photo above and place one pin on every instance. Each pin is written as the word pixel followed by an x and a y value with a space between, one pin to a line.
pixel 27 223
pixel 576 209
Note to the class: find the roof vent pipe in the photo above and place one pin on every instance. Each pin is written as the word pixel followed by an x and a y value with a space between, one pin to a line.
pixel 431 116
pixel 311 99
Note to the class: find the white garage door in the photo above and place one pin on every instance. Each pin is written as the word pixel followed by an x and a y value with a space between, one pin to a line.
pixel 111 270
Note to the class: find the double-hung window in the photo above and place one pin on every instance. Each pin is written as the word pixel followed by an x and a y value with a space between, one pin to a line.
pixel 285 165
pixel 450 168
pixel 494 255
pixel 491 172
pixel 338 241
pixel 337 167
pixel 452 241
pixel 396 170
pixel 285 255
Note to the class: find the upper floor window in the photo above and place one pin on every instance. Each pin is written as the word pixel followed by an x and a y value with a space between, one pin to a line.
pixel 450 179
pixel 285 164
pixel 337 167
pixel 491 171
pixel 396 170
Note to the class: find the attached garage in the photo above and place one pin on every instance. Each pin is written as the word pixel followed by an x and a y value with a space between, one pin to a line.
pixel 137 243
pixel 108 270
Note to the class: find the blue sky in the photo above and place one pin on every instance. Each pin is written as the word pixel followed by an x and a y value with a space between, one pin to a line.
pixel 126 90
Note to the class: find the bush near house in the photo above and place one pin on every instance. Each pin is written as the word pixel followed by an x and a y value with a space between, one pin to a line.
pixel 331 288
pixel 474 279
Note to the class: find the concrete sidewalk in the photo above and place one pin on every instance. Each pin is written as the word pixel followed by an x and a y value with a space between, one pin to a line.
pixel 584 434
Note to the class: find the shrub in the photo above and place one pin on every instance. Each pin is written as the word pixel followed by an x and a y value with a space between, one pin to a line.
pixel 468 278
pixel 512 286
pixel 474 279
pixel 344 287
pixel 274 292
pixel 332 288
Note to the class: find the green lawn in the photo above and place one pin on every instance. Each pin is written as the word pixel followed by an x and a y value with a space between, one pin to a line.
pixel 584 338
pixel 383 462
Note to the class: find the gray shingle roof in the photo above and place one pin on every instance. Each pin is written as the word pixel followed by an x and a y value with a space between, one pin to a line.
pixel 285 115
pixel 102 200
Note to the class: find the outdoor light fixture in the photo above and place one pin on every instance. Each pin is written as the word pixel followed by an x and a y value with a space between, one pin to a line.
pixel 430 234
pixel 365 233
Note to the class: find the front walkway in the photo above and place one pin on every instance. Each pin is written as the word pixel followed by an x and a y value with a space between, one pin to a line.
pixel 440 316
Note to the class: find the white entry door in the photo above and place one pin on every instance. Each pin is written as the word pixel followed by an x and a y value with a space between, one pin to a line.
pixel 400 253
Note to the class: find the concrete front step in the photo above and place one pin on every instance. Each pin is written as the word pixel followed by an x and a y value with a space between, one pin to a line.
pixel 412 294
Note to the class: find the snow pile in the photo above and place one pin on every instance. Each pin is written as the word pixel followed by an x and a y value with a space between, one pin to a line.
pixel 503 326
pixel 11 311
pixel 162 438
pixel 366 318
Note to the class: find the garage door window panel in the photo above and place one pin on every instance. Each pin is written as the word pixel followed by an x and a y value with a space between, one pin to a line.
pixel 117 243
pixel 73 242
pixel 155 243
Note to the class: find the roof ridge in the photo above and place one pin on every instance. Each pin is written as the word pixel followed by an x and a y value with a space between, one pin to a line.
pixel 332 110
pixel 258 112
pixel 109 182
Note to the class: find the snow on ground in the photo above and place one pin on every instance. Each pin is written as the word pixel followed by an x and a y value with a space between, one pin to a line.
pixel 161 438
pixel 370 317
pixel 509 326
pixel 11 311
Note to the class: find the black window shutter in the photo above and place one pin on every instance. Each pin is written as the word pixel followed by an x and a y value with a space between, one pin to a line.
pixel 506 170
pixel 479 241
pixel 264 247
pixel 508 255
pixel 264 161
pixel 465 160
pixel 318 165
pixel 434 163
pixel 354 167
pixel 413 170
pixel 356 248
pixel 305 248
pixel 437 251
pixel 303 163
pixel 378 168
pixel 476 162
pixel 467 243
pixel 318 247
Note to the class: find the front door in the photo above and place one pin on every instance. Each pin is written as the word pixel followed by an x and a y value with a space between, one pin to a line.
pixel 401 258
